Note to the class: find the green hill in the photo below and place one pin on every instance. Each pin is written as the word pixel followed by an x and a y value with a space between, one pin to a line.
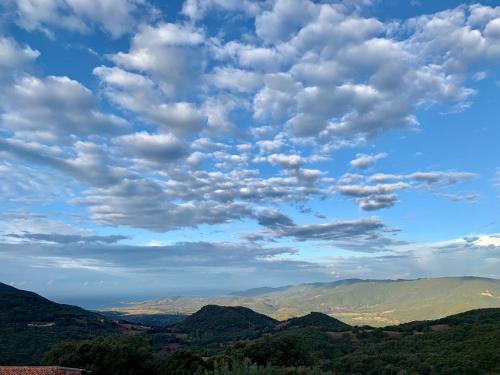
pixel 225 323
pixel 466 343
pixel 30 324
pixel 316 320
pixel 356 302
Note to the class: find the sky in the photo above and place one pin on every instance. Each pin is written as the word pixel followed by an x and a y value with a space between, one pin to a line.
pixel 152 148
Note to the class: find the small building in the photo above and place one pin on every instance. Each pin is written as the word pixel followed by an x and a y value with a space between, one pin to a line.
pixel 44 370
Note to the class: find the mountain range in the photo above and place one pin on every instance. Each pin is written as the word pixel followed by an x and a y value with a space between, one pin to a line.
pixel 357 302
pixel 235 339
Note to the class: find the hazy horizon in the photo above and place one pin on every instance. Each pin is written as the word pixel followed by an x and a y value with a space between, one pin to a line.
pixel 152 148
pixel 96 301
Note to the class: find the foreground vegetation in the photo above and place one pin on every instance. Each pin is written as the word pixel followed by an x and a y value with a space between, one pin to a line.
pixel 464 344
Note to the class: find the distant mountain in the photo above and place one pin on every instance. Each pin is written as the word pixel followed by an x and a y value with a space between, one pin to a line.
pixel 259 291
pixel 356 302
pixel 225 322
pixel 30 324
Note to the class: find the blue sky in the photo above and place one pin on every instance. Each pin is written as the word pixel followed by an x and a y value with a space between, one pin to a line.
pixel 201 146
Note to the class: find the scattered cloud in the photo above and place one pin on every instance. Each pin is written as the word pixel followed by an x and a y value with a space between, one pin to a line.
pixel 55 109
pixel 440 179
pixel 364 161
pixel 334 230
pixel 115 17
pixel 170 53
pixel 468 197
pixel 262 111
pixel 65 239
pixel 14 57
pixel 158 148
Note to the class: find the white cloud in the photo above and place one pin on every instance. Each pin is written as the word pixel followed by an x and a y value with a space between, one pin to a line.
pixel 235 79
pixel 313 78
pixel 286 161
pixel 284 19
pixel 250 56
pixel 159 148
pixel 475 255
pixel 197 9
pixel 363 161
pixel 468 197
pixel 116 17
pixel 139 94
pixel 276 98
pixel 170 53
pixel 438 178
pixel 382 194
pixel 367 229
pixel 14 57
pixel 54 109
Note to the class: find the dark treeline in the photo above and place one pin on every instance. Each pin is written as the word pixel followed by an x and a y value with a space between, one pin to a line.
pixel 470 346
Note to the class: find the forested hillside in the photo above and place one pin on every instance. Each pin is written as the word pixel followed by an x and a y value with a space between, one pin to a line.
pixel 30 324
pixel 463 344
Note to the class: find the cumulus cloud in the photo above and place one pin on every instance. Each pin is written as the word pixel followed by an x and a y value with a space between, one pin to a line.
pixel 115 17
pixel 379 190
pixel 273 218
pixel 168 52
pixel 369 190
pixel 363 161
pixel 377 202
pixel 139 94
pixel 235 79
pixel 150 205
pixel 14 57
pixel 438 178
pixel 159 148
pixel 384 177
pixel 190 198
pixel 89 164
pixel 284 19
pixel 430 54
pixel 286 161
pixel 373 197
pixel 55 109
pixel 197 9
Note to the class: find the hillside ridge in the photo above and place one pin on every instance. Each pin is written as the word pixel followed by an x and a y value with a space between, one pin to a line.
pixel 30 324
pixel 354 301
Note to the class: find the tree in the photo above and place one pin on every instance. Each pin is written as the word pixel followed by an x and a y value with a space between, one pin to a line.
pixel 182 362
pixel 117 355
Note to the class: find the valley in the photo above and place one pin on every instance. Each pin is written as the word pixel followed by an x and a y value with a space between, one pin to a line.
pixel 358 302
